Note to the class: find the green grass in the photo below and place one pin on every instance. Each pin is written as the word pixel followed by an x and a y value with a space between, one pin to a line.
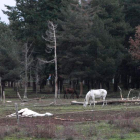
pixel 99 131
pixel 91 130
pixel 43 106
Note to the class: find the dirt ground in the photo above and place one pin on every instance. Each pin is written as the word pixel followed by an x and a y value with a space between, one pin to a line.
pixel 75 117
pixel 95 116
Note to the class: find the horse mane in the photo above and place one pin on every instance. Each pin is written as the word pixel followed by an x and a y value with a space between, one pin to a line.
pixel 91 89
pixel 87 97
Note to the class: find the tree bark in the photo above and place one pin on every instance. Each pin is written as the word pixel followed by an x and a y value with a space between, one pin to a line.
pixel 81 89
pixel 116 81
pixel 1 88
pixel 25 68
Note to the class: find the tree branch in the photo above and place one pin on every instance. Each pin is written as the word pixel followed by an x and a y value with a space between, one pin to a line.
pixel 44 61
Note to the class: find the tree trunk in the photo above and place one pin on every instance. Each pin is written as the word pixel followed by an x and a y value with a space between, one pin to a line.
pixel 88 84
pixel 3 91
pixel 1 88
pixel 26 68
pixel 124 81
pixel 36 77
pixel 9 84
pixel 34 85
pixel 55 59
pixel 29 82
pixel 12 84
pixel 116 81
pixel 81 89
pixel 108 85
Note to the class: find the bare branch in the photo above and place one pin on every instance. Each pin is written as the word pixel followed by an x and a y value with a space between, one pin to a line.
pixel 49 39
pixel 48 50
pixel 29 63
pixel 31 45
pixel 44 61
pixel 120 92
pixel 50 46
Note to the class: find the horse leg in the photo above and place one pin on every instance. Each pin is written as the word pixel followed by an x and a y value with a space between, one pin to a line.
pixel 64 95
pixel 106 102
pixel 94 103
pixel 93 99
pixel 103 101
pixel 90 103
pixel 74 93
pixel 67 94
pixel 71 95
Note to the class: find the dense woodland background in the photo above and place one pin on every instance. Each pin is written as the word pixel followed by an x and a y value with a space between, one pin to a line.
pixel 98 43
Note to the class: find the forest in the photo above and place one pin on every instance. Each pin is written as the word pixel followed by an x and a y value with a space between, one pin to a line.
pixel 97 44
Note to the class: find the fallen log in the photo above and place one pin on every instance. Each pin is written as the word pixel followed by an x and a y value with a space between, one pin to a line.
pixel 27 100
pixel 108 102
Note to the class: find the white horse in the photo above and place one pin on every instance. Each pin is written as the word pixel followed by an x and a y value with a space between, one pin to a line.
pixel 92 94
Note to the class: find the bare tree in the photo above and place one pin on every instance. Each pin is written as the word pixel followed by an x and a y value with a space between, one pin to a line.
pixel 51 44
pixel 27 62
pixel 38 67
pixel 120 92
pixel 36 75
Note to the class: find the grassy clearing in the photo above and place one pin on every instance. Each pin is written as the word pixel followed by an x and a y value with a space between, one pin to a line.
pixel 86 131
pixel 91 130
pixel 97 131
pixel 43 106
pixel 112 122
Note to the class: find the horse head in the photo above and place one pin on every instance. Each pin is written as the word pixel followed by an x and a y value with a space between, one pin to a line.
pixel 85 103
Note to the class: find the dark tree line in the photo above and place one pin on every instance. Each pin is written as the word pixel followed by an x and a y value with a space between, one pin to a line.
pixel 92 43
